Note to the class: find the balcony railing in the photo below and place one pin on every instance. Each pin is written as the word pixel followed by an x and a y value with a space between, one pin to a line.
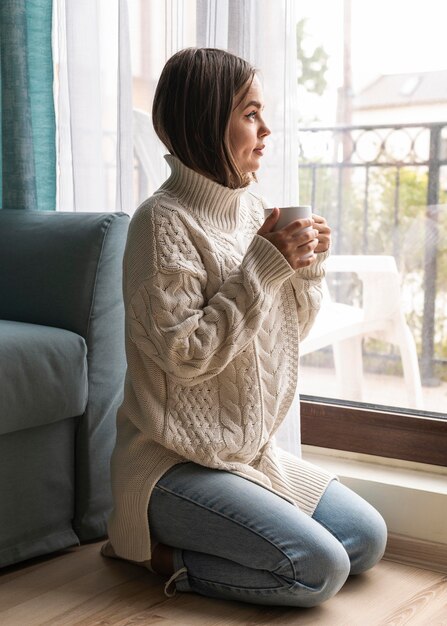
pixel 384 191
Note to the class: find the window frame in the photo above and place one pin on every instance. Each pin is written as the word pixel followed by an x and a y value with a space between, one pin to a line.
pixel 379 431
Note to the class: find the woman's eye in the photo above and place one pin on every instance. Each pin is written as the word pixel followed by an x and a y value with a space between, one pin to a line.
pixel 251 115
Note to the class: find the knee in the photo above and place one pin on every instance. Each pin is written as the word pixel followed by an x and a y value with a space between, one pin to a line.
pixel 369 543
pixel 320 575
pixel 331 569
pixel 356 524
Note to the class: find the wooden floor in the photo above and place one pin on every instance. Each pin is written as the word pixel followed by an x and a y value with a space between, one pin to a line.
pixel 80 587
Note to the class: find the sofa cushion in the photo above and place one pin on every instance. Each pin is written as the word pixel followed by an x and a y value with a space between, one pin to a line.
pixel 43 375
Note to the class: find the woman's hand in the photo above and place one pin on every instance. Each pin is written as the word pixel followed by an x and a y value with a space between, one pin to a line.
pixel 293 242
pixel 324 233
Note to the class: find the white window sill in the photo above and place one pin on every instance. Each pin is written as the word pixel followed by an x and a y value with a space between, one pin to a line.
pixel 412 497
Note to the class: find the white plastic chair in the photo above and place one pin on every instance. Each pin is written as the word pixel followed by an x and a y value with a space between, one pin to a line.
pixel 343 326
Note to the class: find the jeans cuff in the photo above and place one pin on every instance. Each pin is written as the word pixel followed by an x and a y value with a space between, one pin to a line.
pixel 181 583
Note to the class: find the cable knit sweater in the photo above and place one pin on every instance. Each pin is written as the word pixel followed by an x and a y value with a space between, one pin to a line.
pixel 214 316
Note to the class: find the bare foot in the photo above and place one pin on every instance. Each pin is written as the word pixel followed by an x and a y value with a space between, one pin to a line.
pixel 162 560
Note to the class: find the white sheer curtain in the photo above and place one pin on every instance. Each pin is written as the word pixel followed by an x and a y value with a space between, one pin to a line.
pixel 94 105
pixel 109 56
pixel 98 78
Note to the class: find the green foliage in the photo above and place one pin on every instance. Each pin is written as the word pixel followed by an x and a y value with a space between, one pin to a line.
pixel 409 224
pixel 312 62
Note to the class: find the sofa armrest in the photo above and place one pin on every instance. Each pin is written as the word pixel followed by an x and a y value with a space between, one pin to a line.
pixel 50 263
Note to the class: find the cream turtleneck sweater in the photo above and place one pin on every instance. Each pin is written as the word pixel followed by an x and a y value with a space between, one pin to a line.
pixel 214 316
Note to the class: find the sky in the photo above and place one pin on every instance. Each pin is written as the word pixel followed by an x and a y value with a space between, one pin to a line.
pixel 388 36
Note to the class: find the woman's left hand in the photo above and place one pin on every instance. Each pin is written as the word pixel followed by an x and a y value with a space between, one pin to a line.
pixel 324 233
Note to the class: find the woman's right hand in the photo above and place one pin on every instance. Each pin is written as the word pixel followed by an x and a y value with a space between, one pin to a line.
pixel 292 241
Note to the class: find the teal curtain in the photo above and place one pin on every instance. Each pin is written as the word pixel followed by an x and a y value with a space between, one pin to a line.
pixel 28 129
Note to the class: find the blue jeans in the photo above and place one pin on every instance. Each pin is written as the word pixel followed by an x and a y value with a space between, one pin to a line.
pixel 234 539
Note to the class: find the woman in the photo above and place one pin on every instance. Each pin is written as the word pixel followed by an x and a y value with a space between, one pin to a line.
pixel 216 303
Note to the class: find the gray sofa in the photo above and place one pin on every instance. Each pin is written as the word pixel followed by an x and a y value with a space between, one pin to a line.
pixel 62 366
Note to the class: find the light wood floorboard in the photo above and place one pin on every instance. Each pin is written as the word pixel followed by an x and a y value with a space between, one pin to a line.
pixel 78 587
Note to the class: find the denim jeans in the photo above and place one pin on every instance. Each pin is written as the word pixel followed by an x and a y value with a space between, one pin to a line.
pixel 234 539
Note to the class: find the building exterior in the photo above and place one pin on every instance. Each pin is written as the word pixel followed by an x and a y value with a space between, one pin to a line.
pixel 402 99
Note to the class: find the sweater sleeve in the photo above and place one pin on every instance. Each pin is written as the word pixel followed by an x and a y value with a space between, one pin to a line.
pixel 189 338
pixel 306 283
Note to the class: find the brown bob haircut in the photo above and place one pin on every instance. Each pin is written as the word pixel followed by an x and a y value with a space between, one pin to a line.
pixel 192 108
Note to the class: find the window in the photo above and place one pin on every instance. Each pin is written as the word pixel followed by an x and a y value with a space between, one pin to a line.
pixel 373 131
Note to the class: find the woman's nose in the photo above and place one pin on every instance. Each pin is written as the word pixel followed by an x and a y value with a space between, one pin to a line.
pixel 264 131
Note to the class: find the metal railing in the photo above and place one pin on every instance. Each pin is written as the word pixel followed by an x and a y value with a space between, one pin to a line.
pixel 365 178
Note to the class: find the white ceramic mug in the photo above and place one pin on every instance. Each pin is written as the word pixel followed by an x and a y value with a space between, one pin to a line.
pixel 289 214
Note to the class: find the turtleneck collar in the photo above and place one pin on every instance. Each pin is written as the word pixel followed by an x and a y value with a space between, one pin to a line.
pixel 215 203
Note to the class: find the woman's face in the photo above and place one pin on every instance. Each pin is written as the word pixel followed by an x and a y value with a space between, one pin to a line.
pixel 247 129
